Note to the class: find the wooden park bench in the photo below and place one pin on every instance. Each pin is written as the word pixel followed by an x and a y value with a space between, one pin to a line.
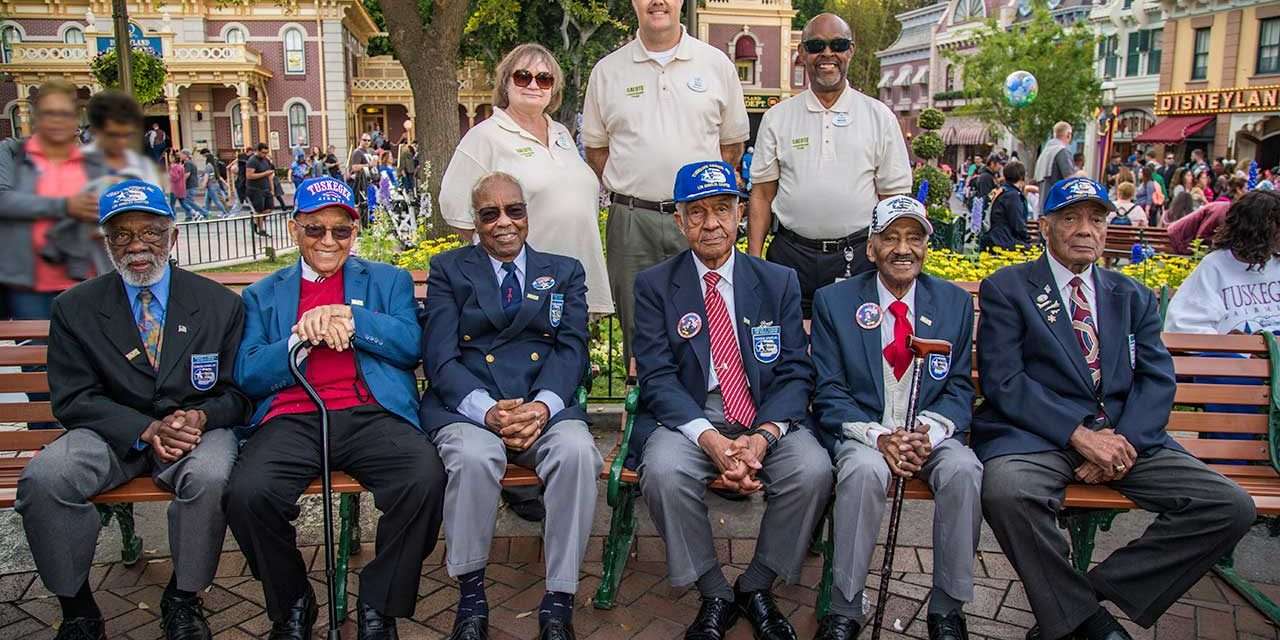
pixel 1120 240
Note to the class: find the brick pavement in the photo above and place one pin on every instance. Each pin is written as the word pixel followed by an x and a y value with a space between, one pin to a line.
pixel 648 608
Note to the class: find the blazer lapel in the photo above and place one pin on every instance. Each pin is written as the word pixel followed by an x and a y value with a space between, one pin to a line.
pixel 121 327
pixel 180 326
pixel 535 266
pixel 687 298
pixel 871 337
pixel 746 302
pixel 287 291
pixel 355 282
pixel 1054 313
pixel 1110 320
pixel 477 269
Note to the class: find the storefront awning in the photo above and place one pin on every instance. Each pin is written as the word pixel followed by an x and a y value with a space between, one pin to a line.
pixel 904 77
pixel 921 77
pixel 885 80
pixel 1174 129
pixel 966 131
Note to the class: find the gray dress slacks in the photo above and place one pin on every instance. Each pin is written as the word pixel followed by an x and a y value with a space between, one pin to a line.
pixel 862 476
pixel 1201 516
pixel 673 479
pixel 567 461
pixel 62 525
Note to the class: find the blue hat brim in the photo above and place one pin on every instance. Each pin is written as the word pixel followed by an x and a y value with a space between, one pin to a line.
pixel 718 191
pixel 143 208
pixel 350 209
pixel 1106 204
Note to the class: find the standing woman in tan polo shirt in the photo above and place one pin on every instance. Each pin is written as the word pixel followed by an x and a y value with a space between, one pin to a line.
pixel 522 140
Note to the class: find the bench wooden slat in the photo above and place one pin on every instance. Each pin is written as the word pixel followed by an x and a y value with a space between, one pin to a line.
pixel 24 383
pixel 1209 343
pixel 25 412
pixel 26 355
pixel 24 330
pixel 1248 471
pixel 1200 393
pixel 1217 422
pixel 1252 450
pixel 1233 367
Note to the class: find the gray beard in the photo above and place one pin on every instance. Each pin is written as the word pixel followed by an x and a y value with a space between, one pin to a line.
pixel 151 277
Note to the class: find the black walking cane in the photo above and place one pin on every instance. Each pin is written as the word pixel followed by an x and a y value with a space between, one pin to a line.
pixel 921 349
pixel 334 633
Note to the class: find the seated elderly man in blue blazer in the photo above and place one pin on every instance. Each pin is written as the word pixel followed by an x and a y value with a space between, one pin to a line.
pixel 505 348
pixel 1078 388
pixel 725 381
pixel 860 335
pixel 362 321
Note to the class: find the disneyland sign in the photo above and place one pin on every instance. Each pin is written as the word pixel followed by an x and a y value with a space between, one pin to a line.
pixel 1211 101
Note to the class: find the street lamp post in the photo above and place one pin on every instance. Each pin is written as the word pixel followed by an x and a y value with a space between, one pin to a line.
pixel 1109 127
pixel 124 57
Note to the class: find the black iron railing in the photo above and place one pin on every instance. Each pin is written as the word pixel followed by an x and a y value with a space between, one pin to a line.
pixel 229 240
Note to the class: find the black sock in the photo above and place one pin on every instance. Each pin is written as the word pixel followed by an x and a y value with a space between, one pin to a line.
pixel 757 577
pixel 81 605
pixel 1098 624
pixel 713 584
pixel 172 590
pixel 556 604
pixel 472 601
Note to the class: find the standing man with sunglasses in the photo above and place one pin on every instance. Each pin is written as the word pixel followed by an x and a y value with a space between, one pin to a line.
pixel 663 100
pixel 823 159
pixel 507 347
pixel 362 322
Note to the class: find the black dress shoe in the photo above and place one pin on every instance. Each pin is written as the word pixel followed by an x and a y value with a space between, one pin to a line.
pixel 531 510
pixel 837 627
pixel 301 618
pixel 183 618
pixel 470 628
pixel 556 629
pixel 82 629
pixel 948 627
pixel 715 618
pixel 767 622
pixel 375 626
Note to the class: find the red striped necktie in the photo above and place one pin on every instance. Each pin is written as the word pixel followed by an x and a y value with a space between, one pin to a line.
pixel 726 358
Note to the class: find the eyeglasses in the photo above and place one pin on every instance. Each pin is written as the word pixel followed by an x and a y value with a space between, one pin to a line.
pixel 522 78
pixel 818 45
pixel 317 231
pixel 722 212
pixel 515 211
pixel 366 140
pixel 124 237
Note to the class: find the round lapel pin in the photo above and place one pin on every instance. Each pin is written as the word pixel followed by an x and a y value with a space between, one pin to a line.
pixel 869 315
pixel 689 326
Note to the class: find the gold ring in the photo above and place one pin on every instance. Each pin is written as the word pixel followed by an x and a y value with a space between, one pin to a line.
pixel 1120 468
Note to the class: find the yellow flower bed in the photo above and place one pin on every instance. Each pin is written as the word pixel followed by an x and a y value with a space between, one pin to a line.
pixel 957 267
pixel 419 257
pixel 1161 270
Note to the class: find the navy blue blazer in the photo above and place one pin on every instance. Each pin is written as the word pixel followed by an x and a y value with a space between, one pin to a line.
pixel 468 344
pixel 850 361
pixel 672 369
pixel 1035 381
pixel 385 340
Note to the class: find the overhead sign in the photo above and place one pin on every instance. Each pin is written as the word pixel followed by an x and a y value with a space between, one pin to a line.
pixel 1232 100
pixel 137 40
pixel 760 102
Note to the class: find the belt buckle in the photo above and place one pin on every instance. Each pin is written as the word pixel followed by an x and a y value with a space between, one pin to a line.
pixel 831 246
pixel 667 206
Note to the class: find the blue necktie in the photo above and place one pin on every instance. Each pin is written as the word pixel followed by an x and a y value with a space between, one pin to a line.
pixel 510 291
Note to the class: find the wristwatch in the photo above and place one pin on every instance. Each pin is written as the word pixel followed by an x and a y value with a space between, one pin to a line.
pixel 770 440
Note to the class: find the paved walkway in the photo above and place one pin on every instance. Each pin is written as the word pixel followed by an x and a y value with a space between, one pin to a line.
pixel 648 608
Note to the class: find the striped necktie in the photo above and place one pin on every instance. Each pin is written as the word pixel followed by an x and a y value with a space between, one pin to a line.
pixel 726 358
pixel 149 328
pixel 1086 331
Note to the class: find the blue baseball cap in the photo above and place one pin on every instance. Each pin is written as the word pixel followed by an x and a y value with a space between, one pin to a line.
pixel 1069 191
pixel 315 194
pixel 699 180
pixel 132 195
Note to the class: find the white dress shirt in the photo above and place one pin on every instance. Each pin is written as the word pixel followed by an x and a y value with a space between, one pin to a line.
pixel 695 427
pixel 897 391
pixel 478 403
pixel 1062 277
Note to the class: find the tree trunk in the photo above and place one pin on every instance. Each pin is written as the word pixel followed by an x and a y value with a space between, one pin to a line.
pixel 427 47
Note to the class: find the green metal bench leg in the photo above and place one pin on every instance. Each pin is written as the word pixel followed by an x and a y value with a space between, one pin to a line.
pixel 1083 526
pixel 1266 606
pixel 346 509
pixel 617 547
pixel 131 544
pixel 828 546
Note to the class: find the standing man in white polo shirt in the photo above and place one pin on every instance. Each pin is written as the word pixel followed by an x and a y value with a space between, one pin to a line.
pixel 662 101
pixel 823 159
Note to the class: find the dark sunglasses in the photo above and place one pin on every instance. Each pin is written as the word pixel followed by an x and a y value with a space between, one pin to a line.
pixel 317 231
pixel 522 78
pixel 818 45
pixel 515 211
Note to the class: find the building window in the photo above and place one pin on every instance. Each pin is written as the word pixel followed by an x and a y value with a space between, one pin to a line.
pixel 1200 56
pixel 969 10
pixel 746 71
pixel 1108 50
pixel 744 58
pixel 1155 52
pixel 1143 53
pixel 9 35
pixel 797 75
pixel 295 60
pixel 237 130
pixel 949 79
pixel 298 124
pixel 73 35
pixel 1269 46
pixel 235 35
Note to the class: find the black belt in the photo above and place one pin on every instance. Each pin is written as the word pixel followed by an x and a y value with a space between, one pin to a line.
pixel 668 206
pixel 825 246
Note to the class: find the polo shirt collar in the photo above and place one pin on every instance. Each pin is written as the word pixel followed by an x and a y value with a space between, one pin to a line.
pixel 505 121
pixel 684 50
pixel 843 104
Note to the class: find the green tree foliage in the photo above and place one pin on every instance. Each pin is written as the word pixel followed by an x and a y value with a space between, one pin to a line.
pixel 874 29
pixel 1060 58
pixel 148 73
pixel 378 45
pixel 806 9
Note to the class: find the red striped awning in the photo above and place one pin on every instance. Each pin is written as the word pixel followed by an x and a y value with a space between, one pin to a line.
pixel 1174 129
pixel 744 48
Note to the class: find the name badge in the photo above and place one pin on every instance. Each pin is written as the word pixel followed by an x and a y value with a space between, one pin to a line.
pixel 204 371
pixel 557 308
pixel 841 120
pixel 697 85
pixel 766 342
pixel 689 325
pixel 543 283
pixel 869 316
pixel 564 142
pixel 939 366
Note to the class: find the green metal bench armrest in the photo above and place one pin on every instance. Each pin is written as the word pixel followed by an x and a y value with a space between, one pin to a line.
pixel 624 446
pixel 580 397
pixel 1166 295
pixel 1273 408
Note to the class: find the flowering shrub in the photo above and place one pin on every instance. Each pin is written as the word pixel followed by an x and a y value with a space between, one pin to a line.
pixel 1161 270
pixel 419 257
pixel 949 265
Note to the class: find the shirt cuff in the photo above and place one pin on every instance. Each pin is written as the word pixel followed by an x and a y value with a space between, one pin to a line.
pixel 940 427
pixel 554 403
pixel 864 432
pixel 476 405
pixel 783 427
pixel 694 428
